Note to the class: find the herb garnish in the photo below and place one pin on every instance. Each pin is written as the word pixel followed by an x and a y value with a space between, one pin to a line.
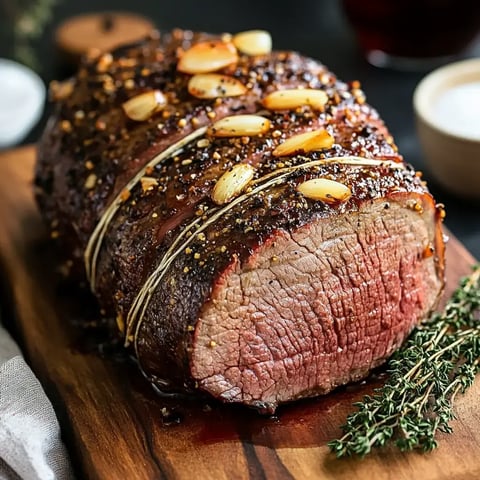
pixel 439 360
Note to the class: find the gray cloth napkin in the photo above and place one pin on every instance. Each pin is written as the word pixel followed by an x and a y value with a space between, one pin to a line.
pixel 30 443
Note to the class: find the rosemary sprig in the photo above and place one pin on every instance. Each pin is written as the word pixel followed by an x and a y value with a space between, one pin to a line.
pixel 439 360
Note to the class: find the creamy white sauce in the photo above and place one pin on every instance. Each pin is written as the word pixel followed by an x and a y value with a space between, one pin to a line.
pixel 22 96
pixel 457 110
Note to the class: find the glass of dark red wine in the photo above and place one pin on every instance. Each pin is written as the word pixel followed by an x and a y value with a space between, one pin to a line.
pixel 413 34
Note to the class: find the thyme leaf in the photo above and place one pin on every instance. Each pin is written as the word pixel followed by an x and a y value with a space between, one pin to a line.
pixel 439 360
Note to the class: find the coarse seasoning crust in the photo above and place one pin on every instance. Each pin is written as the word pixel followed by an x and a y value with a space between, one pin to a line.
pixel 163 188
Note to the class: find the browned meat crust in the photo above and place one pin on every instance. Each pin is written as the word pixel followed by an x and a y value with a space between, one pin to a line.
pixel 224 284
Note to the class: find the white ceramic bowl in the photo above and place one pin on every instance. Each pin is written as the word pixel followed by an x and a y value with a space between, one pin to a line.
pixel 452 154
pixel 22 100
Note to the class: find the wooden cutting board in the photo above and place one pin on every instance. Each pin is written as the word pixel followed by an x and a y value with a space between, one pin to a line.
pixel 113 423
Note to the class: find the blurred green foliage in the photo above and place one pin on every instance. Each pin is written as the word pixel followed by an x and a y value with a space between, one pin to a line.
pixel 25 20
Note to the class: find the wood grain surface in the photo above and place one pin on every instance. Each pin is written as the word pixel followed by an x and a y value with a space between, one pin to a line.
pixel 116 427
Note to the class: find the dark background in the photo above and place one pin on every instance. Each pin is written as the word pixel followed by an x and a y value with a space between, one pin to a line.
pixel 316 28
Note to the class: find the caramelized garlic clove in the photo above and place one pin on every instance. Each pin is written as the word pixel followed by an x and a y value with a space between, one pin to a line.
pixel 305 142
pixel 325 190
pixel 240 126
pixel 205 57
pixel 232 183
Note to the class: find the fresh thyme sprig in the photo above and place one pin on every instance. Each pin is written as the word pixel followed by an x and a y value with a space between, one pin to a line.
pixel 439 360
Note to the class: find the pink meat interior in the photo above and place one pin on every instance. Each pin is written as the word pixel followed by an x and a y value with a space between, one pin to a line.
pixel 318 308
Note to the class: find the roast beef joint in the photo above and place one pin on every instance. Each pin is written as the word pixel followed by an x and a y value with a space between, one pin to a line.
pixel 242 213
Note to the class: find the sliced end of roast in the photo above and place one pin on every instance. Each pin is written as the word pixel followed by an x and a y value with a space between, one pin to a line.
pixel 319 307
